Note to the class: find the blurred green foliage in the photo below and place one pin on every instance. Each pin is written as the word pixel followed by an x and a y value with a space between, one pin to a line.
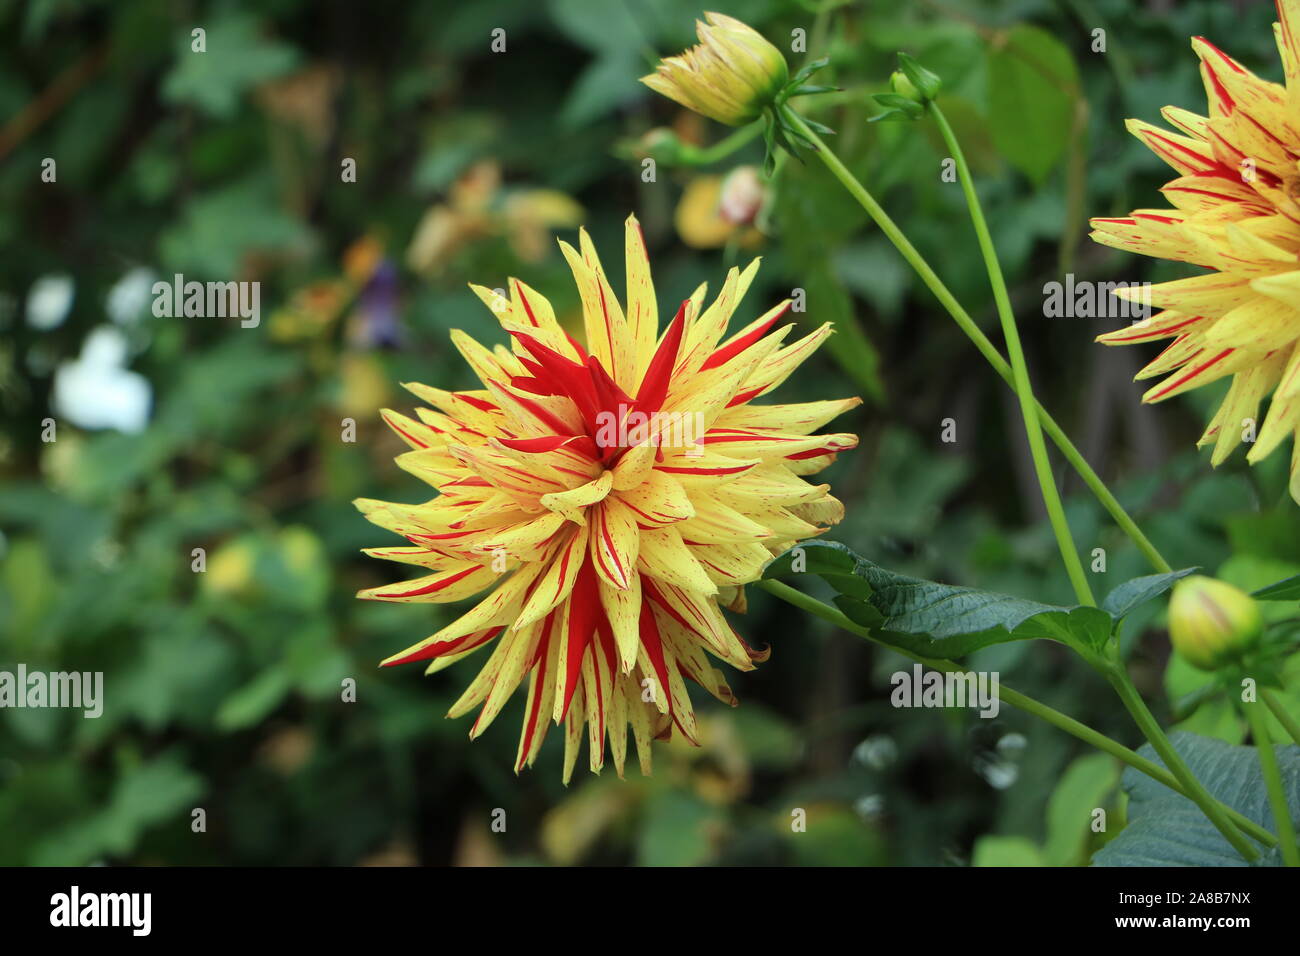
pixel 223 688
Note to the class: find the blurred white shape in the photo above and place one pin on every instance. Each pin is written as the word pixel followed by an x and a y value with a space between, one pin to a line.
pixel 104 346
pixel 997 772
pixel 95 391
pixel 870 807
pixel 130 296
pixel 49 301
pixel 1012 745
pixel 877 751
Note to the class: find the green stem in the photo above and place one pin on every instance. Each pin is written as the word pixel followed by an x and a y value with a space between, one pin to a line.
pixel 1016 376
pixel 1016 699
pixel 1191 787
pixel 1051 498
pixel 980 340
pixel 708 155
pixel 1019 370
pixel 1283 715
pixel 1273 783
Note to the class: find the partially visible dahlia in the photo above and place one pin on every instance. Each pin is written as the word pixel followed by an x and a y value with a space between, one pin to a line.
pixel 572 489
pixel 1236 212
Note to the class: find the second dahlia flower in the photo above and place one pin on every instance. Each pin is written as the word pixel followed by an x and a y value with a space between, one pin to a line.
pixel 1236 211
pixel 604 501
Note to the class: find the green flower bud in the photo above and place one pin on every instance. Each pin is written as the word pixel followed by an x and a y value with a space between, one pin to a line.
pixel 1212 622
pixel 900 84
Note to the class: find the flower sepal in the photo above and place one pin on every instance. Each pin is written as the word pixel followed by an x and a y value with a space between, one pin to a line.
pixel 924 82
pixel 912 88
pixel 898 107
pixel 778 130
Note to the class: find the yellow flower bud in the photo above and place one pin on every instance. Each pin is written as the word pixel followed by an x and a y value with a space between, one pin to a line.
pixel 730 76
pixel 1211 622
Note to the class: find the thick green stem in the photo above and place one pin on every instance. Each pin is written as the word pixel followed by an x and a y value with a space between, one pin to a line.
pixel 981 341
pixel 1273 783
pixel 1191 787
pixel 1019 371
pixel 1282 714
pixel 1016 699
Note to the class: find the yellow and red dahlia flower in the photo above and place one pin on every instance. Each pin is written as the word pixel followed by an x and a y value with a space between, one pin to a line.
pixel 1237 212
pixel 608 498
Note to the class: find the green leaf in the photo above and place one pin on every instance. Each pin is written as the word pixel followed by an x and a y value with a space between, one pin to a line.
pixel 1131 594
pixel 836 836
pixel 1033 88
pixel 237 57
pixel 675 830
pixel 1288 589
pixel 143 796
pixel 1006 851
pixel 940 620
pixel 254 701
pixel 606 83
pixel 1085 786
pixel 1167 829
pixel 220 228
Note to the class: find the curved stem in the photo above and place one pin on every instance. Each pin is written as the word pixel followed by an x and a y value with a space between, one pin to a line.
pixel 708 155
pixel 1282 715
pixel 1192 788
pixel 1273 784
pixel 981 341
pixel 1019 371
pixel 1024 702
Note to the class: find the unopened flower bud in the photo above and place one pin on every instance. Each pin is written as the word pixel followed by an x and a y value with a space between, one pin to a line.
pixel 730 76
pixel 900 84
pixel 1212 622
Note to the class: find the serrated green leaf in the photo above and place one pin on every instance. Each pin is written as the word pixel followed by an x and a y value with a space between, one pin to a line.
pixel 1167 829
pixel 940 620
pixel 1138 591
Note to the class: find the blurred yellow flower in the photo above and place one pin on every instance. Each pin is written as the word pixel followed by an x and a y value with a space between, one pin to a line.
pixel 310 310
pixel 478 208
pixel 606 536
pixel 709 215
pixel 364 386
pixel 230 568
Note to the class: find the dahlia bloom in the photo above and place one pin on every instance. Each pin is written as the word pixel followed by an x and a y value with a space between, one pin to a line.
pixel 730 76
pixel 1236 212
pixel 608 500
